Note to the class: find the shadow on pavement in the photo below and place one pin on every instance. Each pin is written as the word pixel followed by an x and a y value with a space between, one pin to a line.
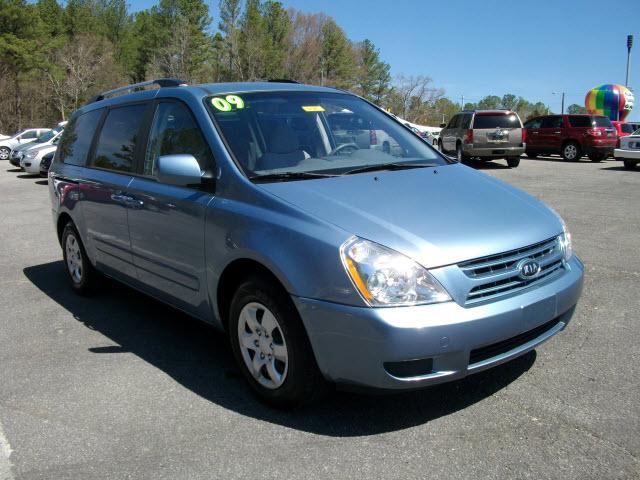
pixel 620 168
pixel 29 175
pixel 42 182
pixel 14 170
pixel 199 358
pixel 487 165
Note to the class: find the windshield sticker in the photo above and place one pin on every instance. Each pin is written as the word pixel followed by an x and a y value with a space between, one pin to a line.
pixel 227 103
pixel 312 108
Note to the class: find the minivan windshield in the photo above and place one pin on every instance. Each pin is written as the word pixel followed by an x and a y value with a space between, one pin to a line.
pixel 300 135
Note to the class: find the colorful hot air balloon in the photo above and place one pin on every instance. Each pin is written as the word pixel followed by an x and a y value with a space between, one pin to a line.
pixel 614 101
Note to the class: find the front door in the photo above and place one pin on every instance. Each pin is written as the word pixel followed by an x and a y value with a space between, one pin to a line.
pixel 167 223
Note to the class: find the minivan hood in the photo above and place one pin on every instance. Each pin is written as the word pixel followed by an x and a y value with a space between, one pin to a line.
pixel 437 216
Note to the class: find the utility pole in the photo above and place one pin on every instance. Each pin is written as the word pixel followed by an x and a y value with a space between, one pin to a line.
pixel 462 103
pixel 629 45
pixel 560 93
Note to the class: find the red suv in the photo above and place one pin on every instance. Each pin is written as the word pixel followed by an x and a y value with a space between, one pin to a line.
pixel 623 129
pixel 571 136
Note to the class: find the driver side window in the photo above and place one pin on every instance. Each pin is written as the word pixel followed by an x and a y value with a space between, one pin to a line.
pixel 174 131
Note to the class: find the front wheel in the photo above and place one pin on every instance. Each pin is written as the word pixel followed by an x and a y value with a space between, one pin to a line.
pixel 513 162
pixel 629 165
pixel 271 346
pixel 4 153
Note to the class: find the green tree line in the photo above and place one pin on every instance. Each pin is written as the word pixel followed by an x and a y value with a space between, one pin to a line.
pixel 54 56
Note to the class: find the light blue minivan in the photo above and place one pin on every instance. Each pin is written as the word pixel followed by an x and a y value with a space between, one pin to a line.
pixel 330 242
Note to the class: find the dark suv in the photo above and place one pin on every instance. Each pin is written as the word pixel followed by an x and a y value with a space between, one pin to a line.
pixel 571 136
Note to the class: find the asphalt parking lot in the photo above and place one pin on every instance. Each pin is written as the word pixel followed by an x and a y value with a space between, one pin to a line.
pixel 120 386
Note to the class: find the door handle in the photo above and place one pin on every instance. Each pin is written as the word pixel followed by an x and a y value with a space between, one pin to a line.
pixel 127 200
pixel 557 132
pixel 535 133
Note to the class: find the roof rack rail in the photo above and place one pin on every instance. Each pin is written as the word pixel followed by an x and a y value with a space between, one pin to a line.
pixel 282 80
pixel 136 87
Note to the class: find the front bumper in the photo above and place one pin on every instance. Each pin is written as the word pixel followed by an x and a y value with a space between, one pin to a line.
pixel 496 151
pixel 624 154
pixel 352 344
pixel 30 165
pixel 15 158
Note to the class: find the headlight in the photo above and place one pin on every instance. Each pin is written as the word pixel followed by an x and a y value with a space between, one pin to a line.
pixel 30 154
pixel 386 277
pixel 565 243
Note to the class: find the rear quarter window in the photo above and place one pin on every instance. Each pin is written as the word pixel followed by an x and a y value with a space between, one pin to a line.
pixel 496 121
pixel 76 140
pixel 586 121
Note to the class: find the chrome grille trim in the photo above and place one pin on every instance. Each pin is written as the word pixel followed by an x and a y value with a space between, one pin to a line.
pixel 497 275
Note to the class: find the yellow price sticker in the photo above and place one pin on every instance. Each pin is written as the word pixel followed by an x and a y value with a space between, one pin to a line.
pixel 313 108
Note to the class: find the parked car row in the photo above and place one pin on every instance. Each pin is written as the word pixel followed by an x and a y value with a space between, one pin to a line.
pixel 29 156
pixel 493 134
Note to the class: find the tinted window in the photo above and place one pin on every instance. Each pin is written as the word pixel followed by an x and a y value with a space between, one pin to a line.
pixel 494 121
pixel 453 123
pixel 77 137
pixel 174 131
pixel 552 122
pixel 601 122
pixel 535 123
pixel 586 121
pixel 626 128
pixel 117 142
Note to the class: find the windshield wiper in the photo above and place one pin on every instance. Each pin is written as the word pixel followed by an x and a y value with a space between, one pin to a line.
pixel 388 166
pixel 289 176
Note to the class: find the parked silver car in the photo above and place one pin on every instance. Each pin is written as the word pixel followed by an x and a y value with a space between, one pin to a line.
pixel 46 139
pixel 24 136
pixel 484 134
pixel 325 260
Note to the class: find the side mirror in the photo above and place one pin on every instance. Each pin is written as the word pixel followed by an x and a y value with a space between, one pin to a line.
pixel 182 170
pixel 443 125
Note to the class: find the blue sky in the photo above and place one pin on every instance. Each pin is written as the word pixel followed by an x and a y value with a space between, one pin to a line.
pixel 483 47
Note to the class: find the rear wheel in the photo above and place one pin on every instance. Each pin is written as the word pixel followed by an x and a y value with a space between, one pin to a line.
pixel 82 275
pixel 271 345
pixel 460 156
pixel 513 162
pixel 596 157
pixel 4 153
pixel 571 151
pixel 629 165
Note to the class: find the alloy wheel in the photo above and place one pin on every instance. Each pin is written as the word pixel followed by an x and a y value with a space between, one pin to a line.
pixel 262 345
pixel 74 259
pixel 4 153
pixel 570 152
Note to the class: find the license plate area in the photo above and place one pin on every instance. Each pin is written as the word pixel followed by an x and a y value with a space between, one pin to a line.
pixel 540 312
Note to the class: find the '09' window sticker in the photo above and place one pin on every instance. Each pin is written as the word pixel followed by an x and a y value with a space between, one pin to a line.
pixel 227 103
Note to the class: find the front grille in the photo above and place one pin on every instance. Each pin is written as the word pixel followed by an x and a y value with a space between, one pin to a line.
pixel 498 275
pixel 495 349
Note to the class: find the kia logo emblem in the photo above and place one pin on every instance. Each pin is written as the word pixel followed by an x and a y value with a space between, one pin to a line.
pixel 528 268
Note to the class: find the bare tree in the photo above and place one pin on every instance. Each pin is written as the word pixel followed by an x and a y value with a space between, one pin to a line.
pixel 80 68
pixel 414 96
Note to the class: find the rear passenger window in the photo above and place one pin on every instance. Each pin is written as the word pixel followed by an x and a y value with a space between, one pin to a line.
pixel 552 122
pixel 466 121
pixel 77 137
pixel 174 131
pixel 117 142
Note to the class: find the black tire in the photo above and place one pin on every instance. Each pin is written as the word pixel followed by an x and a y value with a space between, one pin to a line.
pixel 87 281
pixel 571 151
pixel 386 148
pixel 303 383
pixel 532 154
pixel 513 162
pixel 460 156
pixel 629 165
pixel 596 157
pixel 440 147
